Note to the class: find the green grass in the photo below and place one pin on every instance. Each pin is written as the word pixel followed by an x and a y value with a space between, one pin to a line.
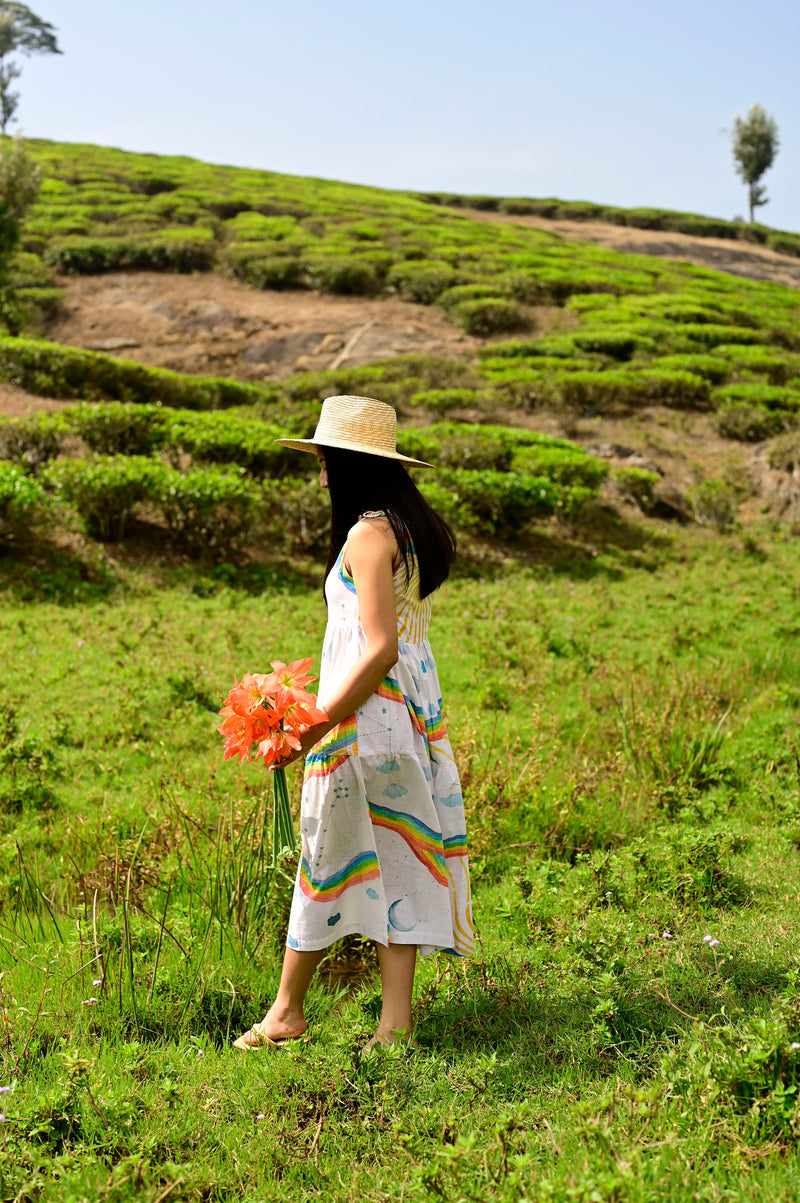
pixel 627 742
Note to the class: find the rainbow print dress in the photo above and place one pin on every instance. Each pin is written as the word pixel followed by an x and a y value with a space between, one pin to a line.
pixel 384 848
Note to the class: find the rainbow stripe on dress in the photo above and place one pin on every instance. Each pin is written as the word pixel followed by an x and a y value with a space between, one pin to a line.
pixel 332 751
pixel 424 842
pixel 361 868
pixel 455 845
pixel 391 691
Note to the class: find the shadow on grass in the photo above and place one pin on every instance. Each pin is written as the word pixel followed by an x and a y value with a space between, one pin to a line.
pixel 76 570
pixel 604 543
pixel 69 568
pixel 67 575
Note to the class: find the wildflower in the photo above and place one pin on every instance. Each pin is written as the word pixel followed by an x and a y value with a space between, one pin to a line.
pixel 795 1044
pixel 89 1002
pixel 666 935
pixel 98 981
pixel 7 1089
pixel 707 939
pixel 608 894
pixel 713 943
pixel 2 1118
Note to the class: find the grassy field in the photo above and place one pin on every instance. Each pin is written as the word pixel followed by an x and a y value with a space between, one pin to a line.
pixel 623 696
pixel 628 738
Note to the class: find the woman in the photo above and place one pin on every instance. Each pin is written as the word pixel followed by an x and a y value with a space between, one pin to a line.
pixel 382 817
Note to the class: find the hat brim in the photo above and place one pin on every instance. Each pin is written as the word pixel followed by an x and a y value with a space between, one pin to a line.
pixel 310 445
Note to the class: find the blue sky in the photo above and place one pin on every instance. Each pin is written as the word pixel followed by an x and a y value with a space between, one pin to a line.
pixel 611 101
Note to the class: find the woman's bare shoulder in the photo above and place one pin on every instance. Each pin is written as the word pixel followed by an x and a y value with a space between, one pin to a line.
pixel 372 537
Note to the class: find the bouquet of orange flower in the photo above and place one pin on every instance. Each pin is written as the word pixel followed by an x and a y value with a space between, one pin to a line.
pixel 264 717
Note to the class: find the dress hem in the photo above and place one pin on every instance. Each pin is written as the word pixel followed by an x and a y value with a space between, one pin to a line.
pixel 421 940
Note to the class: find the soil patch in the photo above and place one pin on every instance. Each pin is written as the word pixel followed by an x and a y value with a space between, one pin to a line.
pixel 208 324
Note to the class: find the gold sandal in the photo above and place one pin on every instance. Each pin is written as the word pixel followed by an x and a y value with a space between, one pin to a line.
pixel 256 1038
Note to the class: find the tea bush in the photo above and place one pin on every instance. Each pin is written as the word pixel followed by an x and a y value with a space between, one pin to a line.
pixel 451 298
pixel 637 485
pixel 269 271
pixel 504 502
pixel 345 276
pixel 213 511
pixel 769 396
pixel 222 438
pixel 441 401
pixel 170 250
pixel 489 315
pixel 422 280
pixel 120 428
pixel 22 501
pixel 714 503
pixel 784 452
pixel 297 515
pixel 751 423
pixel 762 361
pixel 564 465
pixel 107 491
pixel 32 441
pixel 619 389
pixel 712 368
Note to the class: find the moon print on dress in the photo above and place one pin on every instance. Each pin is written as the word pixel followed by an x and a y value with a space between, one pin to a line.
pixel 382 818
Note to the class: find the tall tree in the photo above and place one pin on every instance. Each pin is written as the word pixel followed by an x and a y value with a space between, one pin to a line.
pixel 755 145
pixel 20 30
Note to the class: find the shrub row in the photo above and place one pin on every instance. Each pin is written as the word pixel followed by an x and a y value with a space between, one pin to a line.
pixel 118 429
pixel 168 250
pixel 216 511
pixel 639 218
pixel 51 370
pixel 752 411
pixel 612 391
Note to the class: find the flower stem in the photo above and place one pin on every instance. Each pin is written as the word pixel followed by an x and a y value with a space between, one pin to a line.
pixel 283 837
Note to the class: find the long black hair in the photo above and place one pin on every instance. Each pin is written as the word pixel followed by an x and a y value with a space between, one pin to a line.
pixel 358 482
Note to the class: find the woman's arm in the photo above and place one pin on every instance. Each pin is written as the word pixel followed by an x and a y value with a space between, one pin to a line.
pixel 371 550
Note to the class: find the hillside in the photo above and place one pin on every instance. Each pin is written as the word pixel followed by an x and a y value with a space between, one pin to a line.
pixel 664 370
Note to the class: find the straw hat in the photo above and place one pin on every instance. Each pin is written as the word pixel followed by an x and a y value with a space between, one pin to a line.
pixel 355 424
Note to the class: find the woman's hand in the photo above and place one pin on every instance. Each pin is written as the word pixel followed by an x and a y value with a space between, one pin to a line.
pixel 311 736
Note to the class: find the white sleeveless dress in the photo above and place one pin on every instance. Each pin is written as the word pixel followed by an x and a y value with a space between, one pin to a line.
pixel 384 848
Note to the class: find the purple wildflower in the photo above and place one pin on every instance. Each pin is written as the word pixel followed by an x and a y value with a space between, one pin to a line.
pixel 795 1044
pixel 713 943
pixel 666 935
pixel 5 1090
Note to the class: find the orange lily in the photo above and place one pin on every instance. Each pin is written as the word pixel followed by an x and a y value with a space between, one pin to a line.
pixel 278 746
pixel 292 677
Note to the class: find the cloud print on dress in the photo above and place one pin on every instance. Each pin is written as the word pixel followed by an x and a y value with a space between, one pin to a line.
pixel 452 800
pixel 394 790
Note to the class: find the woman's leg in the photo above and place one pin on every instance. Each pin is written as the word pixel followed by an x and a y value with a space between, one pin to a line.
pixel 397 964
pixel 285 1017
